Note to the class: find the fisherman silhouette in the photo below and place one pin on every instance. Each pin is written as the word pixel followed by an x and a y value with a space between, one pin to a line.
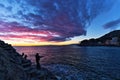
pixel 25 57
pixel 23 54
pixel 38 66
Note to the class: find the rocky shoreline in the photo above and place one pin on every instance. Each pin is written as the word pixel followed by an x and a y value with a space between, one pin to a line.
pixel 14 67
pixel 111 39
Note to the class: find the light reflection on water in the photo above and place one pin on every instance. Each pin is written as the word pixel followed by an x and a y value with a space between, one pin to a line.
pixel 101 63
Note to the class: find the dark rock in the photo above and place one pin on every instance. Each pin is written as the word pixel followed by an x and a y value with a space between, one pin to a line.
pixel 8 69
pixel 101 41
pixel 14 67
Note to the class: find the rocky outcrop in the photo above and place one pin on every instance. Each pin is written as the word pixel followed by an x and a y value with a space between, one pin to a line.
pixel 10 64
pixel 109 39
pixel 14 67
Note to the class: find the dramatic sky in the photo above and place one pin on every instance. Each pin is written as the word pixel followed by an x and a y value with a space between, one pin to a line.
pixel 44 22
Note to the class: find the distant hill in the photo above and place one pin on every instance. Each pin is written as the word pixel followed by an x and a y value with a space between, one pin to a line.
pixel 110 35
pixel 109 39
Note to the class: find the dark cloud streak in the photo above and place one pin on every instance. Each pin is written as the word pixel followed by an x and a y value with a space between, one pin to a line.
pixel 112 24
pixel 65 18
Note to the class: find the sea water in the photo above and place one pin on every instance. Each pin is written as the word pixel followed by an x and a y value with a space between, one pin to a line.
pixel 78 63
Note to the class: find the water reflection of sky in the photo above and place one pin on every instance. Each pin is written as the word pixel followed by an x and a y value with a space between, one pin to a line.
pixel 100 61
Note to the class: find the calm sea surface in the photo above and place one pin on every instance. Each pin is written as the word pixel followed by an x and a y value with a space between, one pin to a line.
pixel 78 63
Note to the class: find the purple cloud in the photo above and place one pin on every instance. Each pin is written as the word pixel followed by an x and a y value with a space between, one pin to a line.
pixel 112 24
pixel 60 20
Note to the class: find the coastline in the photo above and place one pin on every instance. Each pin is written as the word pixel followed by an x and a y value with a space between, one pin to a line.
pixel 98 46
pixel 13 64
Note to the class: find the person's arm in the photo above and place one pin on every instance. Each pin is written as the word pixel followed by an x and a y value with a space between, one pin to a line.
pixel 41 56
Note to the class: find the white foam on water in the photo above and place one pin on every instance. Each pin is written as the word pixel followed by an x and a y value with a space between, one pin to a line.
pixel 65 72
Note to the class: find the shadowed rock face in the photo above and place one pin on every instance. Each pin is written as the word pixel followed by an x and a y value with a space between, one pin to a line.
pixel 10 64
pixel 14 67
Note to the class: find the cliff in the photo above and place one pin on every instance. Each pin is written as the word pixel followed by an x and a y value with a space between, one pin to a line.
pixel 110 35
pixel 109 39
pixel 10 64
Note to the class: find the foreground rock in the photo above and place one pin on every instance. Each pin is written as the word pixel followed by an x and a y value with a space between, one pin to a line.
pixel 14 67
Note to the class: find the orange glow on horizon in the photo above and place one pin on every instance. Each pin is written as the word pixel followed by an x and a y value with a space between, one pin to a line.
pixel 22 43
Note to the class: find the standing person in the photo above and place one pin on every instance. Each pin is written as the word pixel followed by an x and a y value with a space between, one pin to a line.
pixel 23 54
pixel 25 57
pixel 38 66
